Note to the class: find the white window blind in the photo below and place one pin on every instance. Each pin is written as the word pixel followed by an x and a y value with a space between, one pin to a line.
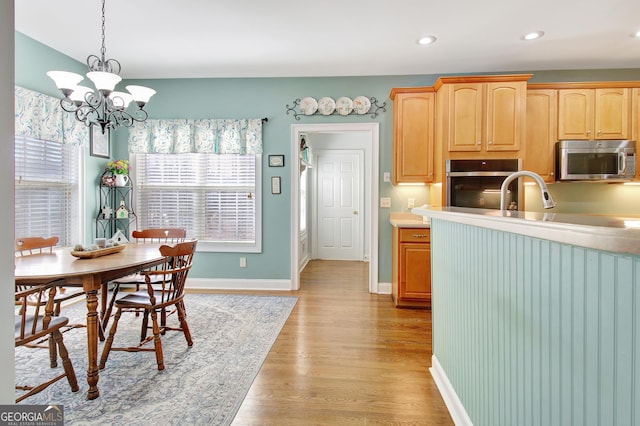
pixel 214 197
pixel 47 190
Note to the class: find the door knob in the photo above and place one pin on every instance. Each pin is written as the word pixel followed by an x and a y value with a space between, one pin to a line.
pixel 355 212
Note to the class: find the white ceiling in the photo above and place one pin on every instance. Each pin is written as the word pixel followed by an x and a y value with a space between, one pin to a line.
pixel 283 38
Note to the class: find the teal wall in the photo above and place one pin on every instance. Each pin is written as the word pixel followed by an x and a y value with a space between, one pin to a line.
pixel 257 98
pixel 533 332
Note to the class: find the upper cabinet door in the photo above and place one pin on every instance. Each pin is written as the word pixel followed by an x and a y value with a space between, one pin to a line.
pixel 612 112
pixel 466 101
pixel 505 112
pixel 575 113
pixel 487 116
pixel 591 114
pixel 542 125
pixel 413 122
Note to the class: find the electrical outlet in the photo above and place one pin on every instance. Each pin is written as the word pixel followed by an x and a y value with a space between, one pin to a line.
pixel 411 203
pixel 385 202
pixel 243 262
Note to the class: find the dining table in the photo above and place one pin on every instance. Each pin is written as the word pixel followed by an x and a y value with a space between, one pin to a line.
pixel 94 275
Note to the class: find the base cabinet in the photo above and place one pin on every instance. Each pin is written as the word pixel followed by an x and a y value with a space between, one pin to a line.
pixel 411 267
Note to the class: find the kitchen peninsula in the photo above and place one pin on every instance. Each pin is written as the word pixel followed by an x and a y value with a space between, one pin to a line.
pixel 535 316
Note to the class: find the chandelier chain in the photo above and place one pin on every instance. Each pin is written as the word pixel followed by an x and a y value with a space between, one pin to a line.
pixel 103 50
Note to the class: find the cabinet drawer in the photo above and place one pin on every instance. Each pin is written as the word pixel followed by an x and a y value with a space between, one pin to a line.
pixel 415 235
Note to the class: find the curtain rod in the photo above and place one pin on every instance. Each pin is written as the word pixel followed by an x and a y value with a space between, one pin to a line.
pixel 265 119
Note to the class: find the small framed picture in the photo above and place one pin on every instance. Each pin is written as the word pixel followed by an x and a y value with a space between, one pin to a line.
pixel 276 161
pixel 275 185
pixel 98 142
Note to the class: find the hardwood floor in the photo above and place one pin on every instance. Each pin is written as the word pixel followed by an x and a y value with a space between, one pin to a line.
pixel 346 357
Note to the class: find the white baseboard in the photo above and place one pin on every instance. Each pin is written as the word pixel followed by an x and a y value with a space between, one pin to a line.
pixel 254 284
pixel 384 288
pixel 449 395
pixel 237 284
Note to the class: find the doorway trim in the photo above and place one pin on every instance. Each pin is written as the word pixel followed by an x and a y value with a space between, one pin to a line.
pixel 373 129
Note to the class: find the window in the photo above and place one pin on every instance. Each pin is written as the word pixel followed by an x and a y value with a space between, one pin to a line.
pixel 47 194
pixel 216 198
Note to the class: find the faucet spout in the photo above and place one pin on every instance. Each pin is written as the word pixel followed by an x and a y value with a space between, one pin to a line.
pixel 547 201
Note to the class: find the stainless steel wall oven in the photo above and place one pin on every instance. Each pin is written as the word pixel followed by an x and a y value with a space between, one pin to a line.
pixel 476 183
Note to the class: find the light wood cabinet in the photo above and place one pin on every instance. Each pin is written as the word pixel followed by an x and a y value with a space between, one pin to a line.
pixel 411 267
pixel 486 116
pixel 542 133
pixel 635 124
pixel 592 114
pixel 413 135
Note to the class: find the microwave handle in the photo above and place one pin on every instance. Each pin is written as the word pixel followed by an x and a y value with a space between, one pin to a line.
pixel 622 163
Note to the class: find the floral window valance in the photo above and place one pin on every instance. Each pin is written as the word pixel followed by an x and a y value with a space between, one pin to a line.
pixel 40 116
pixel 217 136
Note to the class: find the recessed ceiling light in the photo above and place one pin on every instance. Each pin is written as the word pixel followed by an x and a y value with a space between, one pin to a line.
pixel 534 35
pixel 636 35
pixel 426 40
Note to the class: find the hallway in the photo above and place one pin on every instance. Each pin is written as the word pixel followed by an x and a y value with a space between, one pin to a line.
pixel 346 357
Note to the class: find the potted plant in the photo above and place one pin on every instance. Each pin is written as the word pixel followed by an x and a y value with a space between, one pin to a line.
pixel 119 169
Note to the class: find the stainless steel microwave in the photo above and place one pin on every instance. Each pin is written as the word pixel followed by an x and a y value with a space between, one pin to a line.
pixel 612 160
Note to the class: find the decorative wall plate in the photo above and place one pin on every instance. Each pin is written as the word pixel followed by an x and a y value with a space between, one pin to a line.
pixel 326 105
pixel 344 105
pixel 308 106
pixel 361 105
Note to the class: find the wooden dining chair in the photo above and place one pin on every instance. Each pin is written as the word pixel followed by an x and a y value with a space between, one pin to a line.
pixel 28 246
pixel 152 235
pixel 164 288
pixel 34 321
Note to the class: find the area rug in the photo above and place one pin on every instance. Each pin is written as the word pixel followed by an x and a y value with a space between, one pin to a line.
pixel 201 385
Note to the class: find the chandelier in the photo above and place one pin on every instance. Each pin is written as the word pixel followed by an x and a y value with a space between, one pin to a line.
pixel 106 107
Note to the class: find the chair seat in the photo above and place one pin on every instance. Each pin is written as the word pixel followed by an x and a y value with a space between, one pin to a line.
pixel 137 279
pixel 56 322
pixel 140 299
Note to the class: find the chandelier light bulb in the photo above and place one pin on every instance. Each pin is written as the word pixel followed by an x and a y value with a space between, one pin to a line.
pixel 104 81
pixel 141 94
pixel 65 81
pixel 79 93
pixel 120 99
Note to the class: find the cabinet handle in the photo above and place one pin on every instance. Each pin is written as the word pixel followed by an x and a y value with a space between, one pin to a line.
pixel 479 143
pixel 419 235
pixel 588 132
pixel 490 142
pixel 599 131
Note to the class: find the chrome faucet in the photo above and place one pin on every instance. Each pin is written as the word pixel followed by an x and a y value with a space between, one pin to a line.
pixel 547 201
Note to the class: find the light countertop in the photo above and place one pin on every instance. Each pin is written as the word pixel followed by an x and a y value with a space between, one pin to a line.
pixel 615 234
pixel 409 220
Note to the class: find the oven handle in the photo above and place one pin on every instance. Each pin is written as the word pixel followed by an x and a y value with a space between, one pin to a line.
pixel 479 174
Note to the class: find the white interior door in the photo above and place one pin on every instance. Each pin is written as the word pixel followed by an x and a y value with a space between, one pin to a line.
pixel 338 228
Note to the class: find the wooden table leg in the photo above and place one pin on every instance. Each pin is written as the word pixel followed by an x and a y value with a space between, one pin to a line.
pixel 92 343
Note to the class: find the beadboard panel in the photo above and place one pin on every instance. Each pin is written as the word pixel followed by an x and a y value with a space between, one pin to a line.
pixel 533 332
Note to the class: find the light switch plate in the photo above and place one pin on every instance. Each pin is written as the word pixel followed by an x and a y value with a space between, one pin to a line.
pixel 387 177
pixel 385 202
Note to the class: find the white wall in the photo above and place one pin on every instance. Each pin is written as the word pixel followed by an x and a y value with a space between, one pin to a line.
pixel 7 390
